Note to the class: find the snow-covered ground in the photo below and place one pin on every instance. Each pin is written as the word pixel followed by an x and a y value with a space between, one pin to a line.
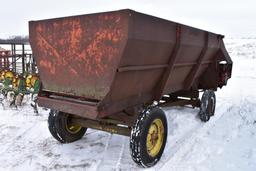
pixel 226 142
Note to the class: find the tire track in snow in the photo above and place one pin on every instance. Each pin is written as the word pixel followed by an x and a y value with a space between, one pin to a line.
pixel 118 164
pixel 113 153
pixel 194 132
pixel 15 140
pixel 105 150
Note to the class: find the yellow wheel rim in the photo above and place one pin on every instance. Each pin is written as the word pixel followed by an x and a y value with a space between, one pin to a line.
pixel 28 80
pixel 9 74
pixel 33 80
pixel 155 137
pixel 16 82
pixel 72 127
pixel 2 75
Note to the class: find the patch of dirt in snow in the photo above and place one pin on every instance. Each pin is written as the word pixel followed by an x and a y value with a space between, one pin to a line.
pixel 226 142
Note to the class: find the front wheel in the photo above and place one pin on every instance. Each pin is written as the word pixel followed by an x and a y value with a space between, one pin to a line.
pixel 208 103
pixel 62 129
pixel 148 137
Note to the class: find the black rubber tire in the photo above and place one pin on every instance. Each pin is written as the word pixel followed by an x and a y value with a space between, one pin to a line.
pixel 208 103
pixel 51 124
pixel 139 133
pixel 57 126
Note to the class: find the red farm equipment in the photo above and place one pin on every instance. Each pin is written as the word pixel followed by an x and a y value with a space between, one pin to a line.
pixel 113 71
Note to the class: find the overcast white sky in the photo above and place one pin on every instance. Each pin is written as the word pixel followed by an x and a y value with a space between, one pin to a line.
pixel 233 18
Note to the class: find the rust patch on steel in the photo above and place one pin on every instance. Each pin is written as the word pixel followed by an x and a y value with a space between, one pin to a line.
pixel 80 56
pixel 82 48
pixel 95 55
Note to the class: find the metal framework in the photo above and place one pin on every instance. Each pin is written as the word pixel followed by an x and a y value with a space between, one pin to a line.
pixel 16 57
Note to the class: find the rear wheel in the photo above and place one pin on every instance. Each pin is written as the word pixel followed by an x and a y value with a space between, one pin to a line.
pixel 148 137
pixel 208 103
pixel 61 128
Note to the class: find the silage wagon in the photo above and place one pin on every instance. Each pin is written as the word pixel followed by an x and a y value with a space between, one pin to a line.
pixel 113 71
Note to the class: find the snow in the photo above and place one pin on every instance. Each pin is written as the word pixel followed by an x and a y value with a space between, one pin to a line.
pixel 226 142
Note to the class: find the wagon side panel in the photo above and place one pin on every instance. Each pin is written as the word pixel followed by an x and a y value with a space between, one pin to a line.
pixel 79 55
pixel 145 57
pixel 196 51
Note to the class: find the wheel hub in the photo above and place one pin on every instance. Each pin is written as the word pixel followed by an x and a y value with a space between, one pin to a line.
pixel 72 127
pixel 155 137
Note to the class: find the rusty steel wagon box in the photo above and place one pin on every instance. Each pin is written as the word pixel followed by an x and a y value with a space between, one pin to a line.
pixel 113 70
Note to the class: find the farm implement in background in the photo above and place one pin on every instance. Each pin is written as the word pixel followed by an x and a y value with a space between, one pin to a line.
pixel 18 76
pixel 15 86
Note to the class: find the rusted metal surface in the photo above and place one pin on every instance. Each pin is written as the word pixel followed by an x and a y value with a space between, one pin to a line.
pixel 17 57
pixel 191 77
pixel 4 61
pixel 140 68
pixel 103 126
pixel 79 55
pixel 123 59
pixel 124 118
pixel 80 109
pixel 171 63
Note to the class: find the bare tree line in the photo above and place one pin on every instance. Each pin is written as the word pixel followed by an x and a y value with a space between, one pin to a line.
pixel 16 39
